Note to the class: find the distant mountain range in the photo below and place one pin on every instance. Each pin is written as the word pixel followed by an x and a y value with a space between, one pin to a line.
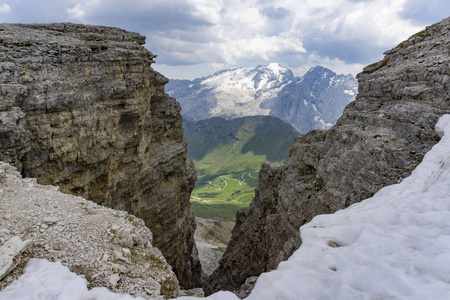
pixel 262 135
pixel 313 101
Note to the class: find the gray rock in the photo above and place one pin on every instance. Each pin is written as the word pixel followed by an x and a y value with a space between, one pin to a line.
pixel 90 210
pixel 104 257
pixel 83 109
pixel 114 279
pixel 197 292
pixel 50 220
pixel 126 252
pixel 380 139
pixel 247 287
pixel 10 254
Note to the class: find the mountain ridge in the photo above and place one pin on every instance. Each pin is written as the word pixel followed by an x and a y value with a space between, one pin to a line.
pixel 312 101
pixel 228 155
pixel 200 132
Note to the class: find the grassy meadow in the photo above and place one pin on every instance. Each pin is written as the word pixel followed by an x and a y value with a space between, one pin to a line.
pixel 228 156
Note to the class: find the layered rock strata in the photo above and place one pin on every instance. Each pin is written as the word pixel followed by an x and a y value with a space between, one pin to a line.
pixel 81 108
pixel 109 247
pixel 381 137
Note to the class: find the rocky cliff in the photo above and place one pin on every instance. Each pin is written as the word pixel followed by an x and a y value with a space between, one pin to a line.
pixel 379 140
pixel 81 108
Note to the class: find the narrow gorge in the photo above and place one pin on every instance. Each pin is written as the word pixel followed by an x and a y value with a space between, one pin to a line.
pixel 81 108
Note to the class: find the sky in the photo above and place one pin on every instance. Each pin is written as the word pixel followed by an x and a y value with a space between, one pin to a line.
pixel 195 38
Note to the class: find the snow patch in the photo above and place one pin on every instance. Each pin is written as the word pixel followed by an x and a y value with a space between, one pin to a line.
pixel 44 280
pixel 331 81
pixel 349 92
pixel 305 102
pixel 275 68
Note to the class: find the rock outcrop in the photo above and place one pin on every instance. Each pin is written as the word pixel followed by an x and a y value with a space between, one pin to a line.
pixel 81 108
pixel 110 248
pixel 381 137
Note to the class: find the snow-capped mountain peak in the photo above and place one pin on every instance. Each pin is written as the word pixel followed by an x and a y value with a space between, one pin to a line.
pixel 272 75
pixel 257 78
pixel 267 90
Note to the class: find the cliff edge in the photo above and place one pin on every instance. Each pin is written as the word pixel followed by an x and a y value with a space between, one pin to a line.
pixel 381 137
pixel 81 108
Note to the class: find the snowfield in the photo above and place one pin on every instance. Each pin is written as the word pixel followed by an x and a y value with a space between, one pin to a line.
pixel 395 245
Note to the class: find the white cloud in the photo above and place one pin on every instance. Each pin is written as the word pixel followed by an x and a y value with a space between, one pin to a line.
pixel 375 21
pixel 83 9
pixel 77 12
pixel 209 11
pixel 4 8
pixel 239 30
pixel 335 31
pixel 341 33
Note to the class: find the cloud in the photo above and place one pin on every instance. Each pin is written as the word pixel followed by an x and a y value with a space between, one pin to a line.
pixel 273 13
pixel 240 30
pixel 335 64
pixel 425 12
pixel 32 11
pixel 4 8
pixel 207 34
pixel 76 12
pixel 350 32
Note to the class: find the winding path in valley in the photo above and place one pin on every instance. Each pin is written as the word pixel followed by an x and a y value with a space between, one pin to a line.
pixel 224 179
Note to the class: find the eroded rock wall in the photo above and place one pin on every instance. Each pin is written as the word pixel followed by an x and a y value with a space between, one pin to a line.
pixel 82 108
pixel 381 137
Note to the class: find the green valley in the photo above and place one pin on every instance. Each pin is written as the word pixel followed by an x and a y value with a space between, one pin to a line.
pixel 228 155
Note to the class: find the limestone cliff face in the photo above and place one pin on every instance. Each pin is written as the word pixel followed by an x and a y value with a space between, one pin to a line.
pixel 82 108
pixel 379 140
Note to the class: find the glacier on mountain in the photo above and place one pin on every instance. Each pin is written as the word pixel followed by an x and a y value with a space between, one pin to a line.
pixel 267 90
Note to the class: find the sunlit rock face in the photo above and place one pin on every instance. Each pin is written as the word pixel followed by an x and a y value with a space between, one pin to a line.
pixel 381 137
pixel 82 108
